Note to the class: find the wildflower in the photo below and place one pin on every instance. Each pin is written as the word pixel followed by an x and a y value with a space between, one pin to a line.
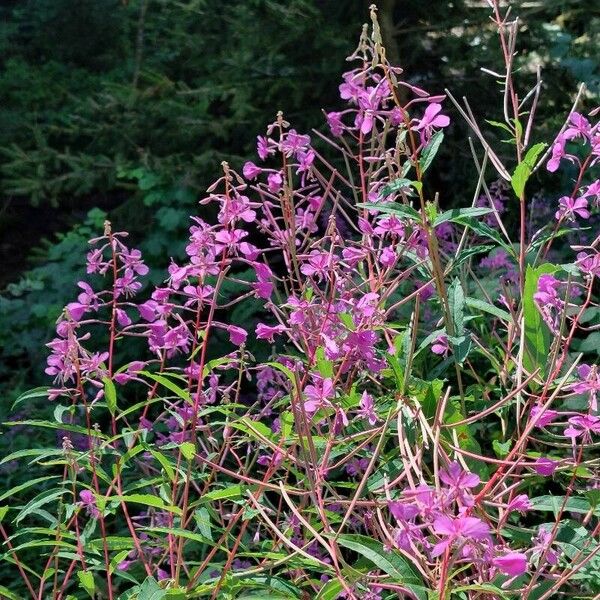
pixel 519 503
pixel 237 335
pixel 294 142
pixel 545 466
pixel 88 500
pixel 548 300
pixel 459 482
pixel 86 300
pixel 250 170
pixel 513 563
pixel 432 118
pixel 132 259
pixel 388 257
pixel 334 120
pixel 441 345
pixel 274 182
pixel 542 417
pixel 460 529
pixel 571 207
pixel 267 332
pixel 317 264
pixel 584 426
pixel 262 147
pixel 318 395
pixel 589 383
pixel 367 410
pixel 542 545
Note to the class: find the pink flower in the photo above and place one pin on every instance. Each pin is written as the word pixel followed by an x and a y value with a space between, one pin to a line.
pixel 589 383
pixel 274 182
pixel 545 466
pixel 520 503
pixel 367 410
pixel 250 170
pixel 318 395
pixel 542 417
pixel 441 346
pixel 316 265
pixel 570 207
pixel 89 501
pixel 267 332
pixel 432 118
pixel 455 476
pixel 513 563
pixel 462 529
pixel 262 147
pixel 584 426
pixel 237 335
pixel 334 120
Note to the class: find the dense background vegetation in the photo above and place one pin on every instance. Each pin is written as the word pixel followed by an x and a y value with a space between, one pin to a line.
pixel 126 107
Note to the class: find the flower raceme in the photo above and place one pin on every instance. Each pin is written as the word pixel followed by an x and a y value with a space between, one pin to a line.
pixel 325 355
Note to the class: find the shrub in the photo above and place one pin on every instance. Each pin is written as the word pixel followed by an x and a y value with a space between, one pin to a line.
pixel 421 423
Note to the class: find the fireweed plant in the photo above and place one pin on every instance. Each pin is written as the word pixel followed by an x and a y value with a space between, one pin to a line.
pixel 424 426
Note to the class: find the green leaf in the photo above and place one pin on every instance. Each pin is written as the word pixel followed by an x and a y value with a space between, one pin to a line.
pixel 202 518
pixel 150 590
pixel 395 186
pixel 501 448
pixel 149 500
pixel 484 230
pixel 488 308
pixel 456 214
pixel 170 385
pixel 233 491
pixel 554 503
pixel 524 168
pixel 3 511
pixel 392 563
pixel 38 392
pixel 330 591
pixel 86 582
pixel 431 150
pixel 6 593
pixel 43 498
pixel 460 341
pixel 23 486
pixel 394 208
pixel 188 450
pixel 538 337
pixel 110 393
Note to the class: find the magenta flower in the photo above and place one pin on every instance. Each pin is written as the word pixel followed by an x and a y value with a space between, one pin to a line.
pixel 237 335
pixel 545 466
pixel 367 410
pixel 262 147
pixel 459 529
pixel 513 563
pixel 520 503
pixel 432 118
pixel 584 426
pixel 570 207
pixel 441 345
pixel 334 120
pixel 267 332
pixel 589 384
pixel 316 265
pixel 542 417
pixel 455 476
pixel 88 500
pixel 294 142
pixel 318 395
pixel 274 182
pixel 251 171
